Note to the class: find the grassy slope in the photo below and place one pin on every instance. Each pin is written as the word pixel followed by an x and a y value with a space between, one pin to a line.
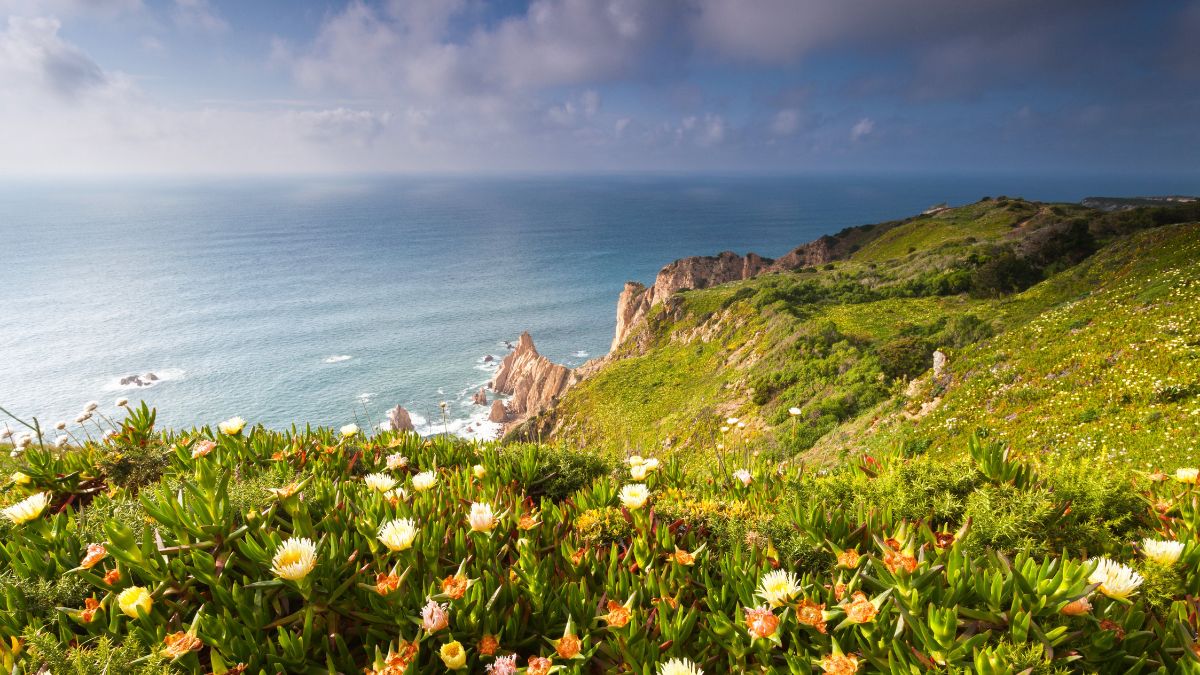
pixel 706 357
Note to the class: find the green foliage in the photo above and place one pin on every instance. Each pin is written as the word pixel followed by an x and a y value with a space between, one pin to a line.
pixel 905 357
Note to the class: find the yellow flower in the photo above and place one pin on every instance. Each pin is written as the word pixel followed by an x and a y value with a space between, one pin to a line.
pixel 481 518
pixel 479 471
pixel 398 535
pixel 634 496
pixel 133 599
pixel 1162 552
pixel 778 587
pixel 20 478
pixel 453 655
pixel 294 559
pixel 29 508
pixel 349 430
pixel 424 481
pixel 380 482
pixel 1117 581
pixel 232 426
pixel 1187 475
pixel 679 667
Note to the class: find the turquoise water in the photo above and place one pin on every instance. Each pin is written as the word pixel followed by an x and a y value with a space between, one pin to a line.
pixel 330 300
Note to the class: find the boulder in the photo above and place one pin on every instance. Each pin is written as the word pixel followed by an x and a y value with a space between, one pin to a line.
pixel 480 397
pixel 499 412
pixel 939 364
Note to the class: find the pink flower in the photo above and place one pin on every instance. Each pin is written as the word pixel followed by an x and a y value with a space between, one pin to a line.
pixel 504 665
pixel 435 617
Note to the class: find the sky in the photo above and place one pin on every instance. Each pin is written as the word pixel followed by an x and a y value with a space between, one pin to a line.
pixel 216 87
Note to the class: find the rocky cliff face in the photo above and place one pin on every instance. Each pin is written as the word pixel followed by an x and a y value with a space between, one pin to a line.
pixel 532 380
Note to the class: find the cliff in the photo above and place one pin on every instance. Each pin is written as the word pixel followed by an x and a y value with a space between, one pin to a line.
pixel 533 381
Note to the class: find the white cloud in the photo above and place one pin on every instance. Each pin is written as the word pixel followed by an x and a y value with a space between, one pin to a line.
pixel 35 60
pixel 340 125
pixel 198 15
pixel 862 129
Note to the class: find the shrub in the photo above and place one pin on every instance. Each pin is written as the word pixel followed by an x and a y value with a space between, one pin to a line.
pixel 905 356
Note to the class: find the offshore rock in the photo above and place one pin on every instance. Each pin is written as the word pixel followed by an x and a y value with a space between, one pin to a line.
pixel 499 412
pixel 533 381
pixel 399 419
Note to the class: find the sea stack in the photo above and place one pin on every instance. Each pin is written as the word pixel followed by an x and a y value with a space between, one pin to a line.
pixel 399 419
pixel 480 397
pixel 499 412
pixel 533 381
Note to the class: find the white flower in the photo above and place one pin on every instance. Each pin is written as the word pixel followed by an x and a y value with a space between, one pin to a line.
pixel 60 442
pixel 634 496
pixel 1187 475
pixel 479 471
pixel 398 535
pixel 91 405
pixel 638 472
pixel 396 461
pixel 232 426
pixel 60 425
pixel 27 509
pixel 635 460
pixel 651 464
pixel 380 482
pixel 424 481
pixel 1162 552
pixel 349 430
pixel 679 667
pixel 20 478
pixel 294 559
pixel 779 587
pixel 122 402
pixel 794 411
pixel 1117 581
pixel 396 493
pixel 481 519
pixel 744 476
pixel 731 421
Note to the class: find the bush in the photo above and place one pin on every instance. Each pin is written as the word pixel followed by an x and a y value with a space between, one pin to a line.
pixel 1003 273
pixel 905 356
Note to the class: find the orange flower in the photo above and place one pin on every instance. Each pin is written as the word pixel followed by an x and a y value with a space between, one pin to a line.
pixel 455 586
pixel 539 665
pixel 397 661
pixel 527 521
pixel 202 448
pixel 848 559
pixel 860 609
pixel 1077 607
pixel 683 557
pixel 761 622
pixel 894 561
pixel 944 539
pixel 113 577
pixel 386 583
pixel 839 591
pixel 618 615
pixel 672 602
pixel 577 556
pixel 90 607
pixel 812 614
pixel 568 646
pixel 847 664
pixel 95 553
pixel 488 645
pixel 180 643
pixel 892 544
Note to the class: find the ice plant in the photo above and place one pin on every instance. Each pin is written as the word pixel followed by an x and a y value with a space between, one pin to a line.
pixel 479 471
pixel 679 667
pixel 379 482
pixel 398 535
pixel 634 496
pixel 569 645
pixel 1187 475
pixel 504 665
pixel 744 476
pixel 396 461
pixel 133 599
pixel 778 587
pixel 232 426
pixel 618 615
pixel 179 643
pixel 386 583
pixel 27 509
pixel 435 616
pixel 202 448
pixel 848 559
pixel 761 622
pixel 294 559
pixel 1117 581
pixel 481 518
pixel 1077 607
pixel 95 553
pixel 424 481
pixel 455 586
pixel 860 609
pixel 453 655
pixel 812 614
pixel 539 665
pixel 349 431
pixel 488 644
pixel 1162 552
pixel 839 664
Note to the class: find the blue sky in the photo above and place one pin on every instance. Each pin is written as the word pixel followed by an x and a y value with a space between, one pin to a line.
pixel 284 86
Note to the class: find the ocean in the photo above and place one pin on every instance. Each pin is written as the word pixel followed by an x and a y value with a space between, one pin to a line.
pixel 330 300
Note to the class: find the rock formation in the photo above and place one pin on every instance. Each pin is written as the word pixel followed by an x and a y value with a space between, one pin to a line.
pixel 533 381
pixel 399 419
pixel 140 380
pixel 480 397
pixel 499 412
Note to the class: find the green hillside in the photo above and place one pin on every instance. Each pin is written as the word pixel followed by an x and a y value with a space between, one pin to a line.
pixel 1065 331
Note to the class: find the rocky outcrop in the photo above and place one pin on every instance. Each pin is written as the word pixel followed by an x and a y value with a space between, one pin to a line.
pixel 499 413
pixel 533 381
pixel 480 397
pixel 399 419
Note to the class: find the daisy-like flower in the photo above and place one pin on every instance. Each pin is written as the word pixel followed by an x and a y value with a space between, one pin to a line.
pixel 638 472
pixel 503 665
pixel 778 587
pixel 618 615
pixel 761 622
pixel 488 644
pixel 60 442
pixel 27 509
pixel 539 665
pixel 398 535
pixel 386 583
pixel 481 518
pixel 840 664
pixel 812 614
pixel 679 667
pixel 1162 552
pixel 860 609
pixel 202 448
pixel 848 559
pixel 569 645
pixel 396 495
pixel 285 491
pixel 744 476
pixel 232 426
pixel 479 470
pixel 112 577
pixel 134 598
pixel 294 559
pixel 455 586
pixel 634 496
pixel 95 553
pixel 435 616
pixel 396 461
pixel 349 430
pixel 528 521
pixel 453 655
pixel 1117 581
pixel 731 421
pixel 90 607
pixel 179 643
pixel 1187 475
pixel 635 460
pixel 380 482
pixel 424 481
